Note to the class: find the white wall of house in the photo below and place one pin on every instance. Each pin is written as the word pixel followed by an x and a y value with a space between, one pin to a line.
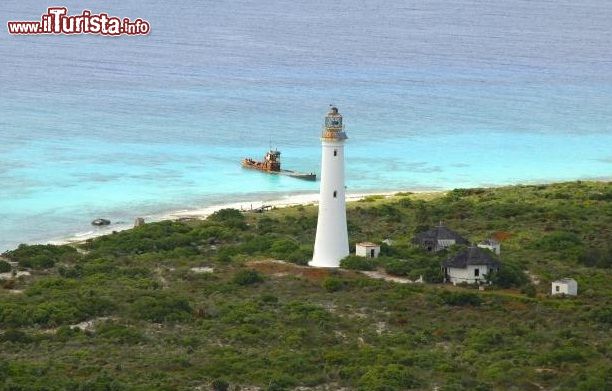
pixel 496 248
pixel 564 287
pixel 367 251
pixel 471 274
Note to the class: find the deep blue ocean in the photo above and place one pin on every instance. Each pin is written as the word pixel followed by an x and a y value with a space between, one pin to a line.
pixel 435 94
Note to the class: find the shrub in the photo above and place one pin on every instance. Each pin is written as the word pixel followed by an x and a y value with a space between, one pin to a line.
pixel 220 385
pixel 14 335
pixel 274 385
pixel 387 378
pixel 102 382
pixel 405 202
pixel 529 290
pixel 483 340
pixel 5 267
pixel 4 370
pixel 119 333
pixel 354 262
pixel 41 256
pixel 602 196
pixel 332 284
pixel 372 198
pixel 594 257
pixel 247 277
pixel 38 262
pixel 433 274
pixel 508 276
pixel 397 267
pixel 162 308
pixel 602 315
pixel 283 248
pixel 562 355
pixel 300 256
pixel 226 253
pixel 558 241
pixel 230 217
pixel 460 298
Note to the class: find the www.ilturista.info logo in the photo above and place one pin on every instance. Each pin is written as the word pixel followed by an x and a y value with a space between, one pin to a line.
pixel 57 21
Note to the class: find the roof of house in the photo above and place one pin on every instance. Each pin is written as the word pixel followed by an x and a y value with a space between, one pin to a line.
pixel 565 281
pixel 368 244
pixel 471 256
pixel 440 232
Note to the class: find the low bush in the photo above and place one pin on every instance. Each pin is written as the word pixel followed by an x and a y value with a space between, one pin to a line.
pixel 354 262
pixel 16 336
pixel 5 267
pixel 162 308
pixel 558 241
pixel 247 277
pixel 529 290
pixel 300 256
pixel 118 333
pixel 283 248
pixel 602 315
pixel 387 377
pixel 333 284
pixel 596 257
pixel 219 385
pixel 561 355
pixel 372 198
pixel 460 298
pixel 397 267
pixel 229 217
pixel 509 276
pixel 41 256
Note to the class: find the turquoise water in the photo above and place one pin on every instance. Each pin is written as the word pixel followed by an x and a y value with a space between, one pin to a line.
pixel 437 95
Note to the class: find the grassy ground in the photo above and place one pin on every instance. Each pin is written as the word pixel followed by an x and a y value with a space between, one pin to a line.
pixel 256 324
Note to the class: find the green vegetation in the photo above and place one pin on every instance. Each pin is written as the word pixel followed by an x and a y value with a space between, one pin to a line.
pixel 247 277
pixel 42 256
pixel 510 275
pixel 354 262
pixel 129 311
pixel 5 267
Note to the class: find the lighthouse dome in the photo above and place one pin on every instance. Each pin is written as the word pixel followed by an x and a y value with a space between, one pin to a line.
pixel 333 129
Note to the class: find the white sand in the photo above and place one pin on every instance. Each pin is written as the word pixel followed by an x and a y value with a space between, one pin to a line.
pixel 9 275
pixel 202 213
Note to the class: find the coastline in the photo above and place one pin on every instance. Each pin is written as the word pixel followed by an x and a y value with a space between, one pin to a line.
pixel 200 213
pixel 254 201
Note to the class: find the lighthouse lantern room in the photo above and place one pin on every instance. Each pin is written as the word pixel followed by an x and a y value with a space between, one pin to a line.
pixel 331 242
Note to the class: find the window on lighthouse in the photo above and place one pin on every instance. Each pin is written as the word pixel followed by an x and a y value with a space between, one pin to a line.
pixel 335 152
pixel 335 193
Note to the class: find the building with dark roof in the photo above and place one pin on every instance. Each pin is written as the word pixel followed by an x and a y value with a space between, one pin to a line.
pixel 438 238
pixel 471 265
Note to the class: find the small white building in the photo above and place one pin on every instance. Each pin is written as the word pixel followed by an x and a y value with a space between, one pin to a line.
pixel 367 250
pixel 491 244
pixel 471 265
pixel 564 286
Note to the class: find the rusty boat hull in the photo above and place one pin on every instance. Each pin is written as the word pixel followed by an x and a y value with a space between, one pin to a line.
pixel 254 165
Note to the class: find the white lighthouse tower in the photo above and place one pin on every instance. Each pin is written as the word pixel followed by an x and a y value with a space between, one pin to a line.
pixel 331 243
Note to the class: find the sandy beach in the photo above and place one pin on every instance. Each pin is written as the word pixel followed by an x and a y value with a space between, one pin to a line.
pixel 203 212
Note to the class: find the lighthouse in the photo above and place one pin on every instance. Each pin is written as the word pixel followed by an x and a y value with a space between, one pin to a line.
pixel 331 243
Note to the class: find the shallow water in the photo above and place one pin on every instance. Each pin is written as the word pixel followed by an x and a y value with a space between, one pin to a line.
pixel 436 94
